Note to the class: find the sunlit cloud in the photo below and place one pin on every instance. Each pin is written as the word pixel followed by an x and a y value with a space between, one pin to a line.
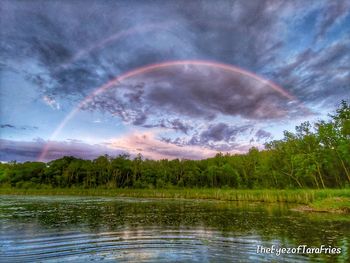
pixel 150 147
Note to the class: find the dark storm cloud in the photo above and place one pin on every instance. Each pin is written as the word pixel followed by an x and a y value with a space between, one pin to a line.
pixel 174 124
pixel 70 48
pixel 139 120
pixel 178 125
pixel 221 136
pixel 262 134
pixel 221 132
pixel 30 150
pixel 218 136
pixel 191 91
pixel 316 76
pixel 87 43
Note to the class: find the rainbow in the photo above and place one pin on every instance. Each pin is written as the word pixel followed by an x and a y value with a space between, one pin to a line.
pixel 158 66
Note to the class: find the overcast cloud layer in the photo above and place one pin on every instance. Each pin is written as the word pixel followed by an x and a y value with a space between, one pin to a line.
pixel 55 53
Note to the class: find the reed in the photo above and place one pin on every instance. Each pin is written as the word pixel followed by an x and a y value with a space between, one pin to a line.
pixel 300 196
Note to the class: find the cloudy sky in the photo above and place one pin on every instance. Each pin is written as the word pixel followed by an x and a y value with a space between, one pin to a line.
pixel 167 79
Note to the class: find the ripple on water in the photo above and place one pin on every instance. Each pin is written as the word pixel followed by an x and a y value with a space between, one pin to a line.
pixel 142 245
pixel 71 229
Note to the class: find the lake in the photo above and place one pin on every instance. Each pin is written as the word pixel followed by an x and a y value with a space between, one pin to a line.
pixel 81 229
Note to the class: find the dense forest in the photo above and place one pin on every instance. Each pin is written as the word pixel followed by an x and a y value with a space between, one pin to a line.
pixel 314 156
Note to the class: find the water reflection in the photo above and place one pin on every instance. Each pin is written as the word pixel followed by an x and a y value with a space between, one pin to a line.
pixel 56 229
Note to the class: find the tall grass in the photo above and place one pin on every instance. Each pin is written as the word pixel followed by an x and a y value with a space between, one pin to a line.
pixel 301 196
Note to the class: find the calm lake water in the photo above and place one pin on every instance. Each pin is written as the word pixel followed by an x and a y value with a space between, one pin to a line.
pixel 81 229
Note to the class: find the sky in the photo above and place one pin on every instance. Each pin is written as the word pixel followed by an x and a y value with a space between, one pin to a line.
pixel 166 79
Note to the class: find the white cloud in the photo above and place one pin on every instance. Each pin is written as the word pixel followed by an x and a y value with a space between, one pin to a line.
pixel 51 102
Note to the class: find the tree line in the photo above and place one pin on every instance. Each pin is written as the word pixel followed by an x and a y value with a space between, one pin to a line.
pixel 314 156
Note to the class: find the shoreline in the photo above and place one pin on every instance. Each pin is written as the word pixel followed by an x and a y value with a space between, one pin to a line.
pixel 309 200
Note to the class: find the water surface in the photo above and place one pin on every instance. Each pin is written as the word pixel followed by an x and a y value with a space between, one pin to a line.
pixel 81 229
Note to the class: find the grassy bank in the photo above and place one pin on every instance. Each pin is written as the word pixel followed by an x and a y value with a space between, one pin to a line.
pixel 314 199
pixel 331 204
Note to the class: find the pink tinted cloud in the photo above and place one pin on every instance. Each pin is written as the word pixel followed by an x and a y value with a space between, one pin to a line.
pixel 150 147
